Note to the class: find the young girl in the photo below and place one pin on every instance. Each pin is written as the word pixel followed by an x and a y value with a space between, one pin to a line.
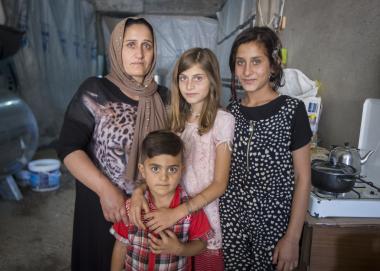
pixel 263 209
pixel 208 133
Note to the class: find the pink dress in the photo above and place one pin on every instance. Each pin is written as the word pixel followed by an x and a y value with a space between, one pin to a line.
pixel 200 152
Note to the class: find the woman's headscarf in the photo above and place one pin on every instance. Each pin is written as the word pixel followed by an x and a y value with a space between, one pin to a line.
pixel 151 114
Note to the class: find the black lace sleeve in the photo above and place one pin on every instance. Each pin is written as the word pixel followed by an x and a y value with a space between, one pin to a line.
pixel 78 123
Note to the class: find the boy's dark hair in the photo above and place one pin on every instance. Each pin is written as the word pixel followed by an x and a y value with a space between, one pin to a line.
pixel 161 142
pixel 272 44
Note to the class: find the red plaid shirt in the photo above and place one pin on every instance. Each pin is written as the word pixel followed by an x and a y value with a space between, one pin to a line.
pixel 139 257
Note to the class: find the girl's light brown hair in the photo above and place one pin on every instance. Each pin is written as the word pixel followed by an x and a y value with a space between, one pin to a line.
pixel 180 109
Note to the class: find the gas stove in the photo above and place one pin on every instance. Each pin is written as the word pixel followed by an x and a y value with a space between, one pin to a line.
pixel 362 201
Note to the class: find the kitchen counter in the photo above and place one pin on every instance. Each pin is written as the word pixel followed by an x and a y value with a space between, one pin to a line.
pixel 349 244
pixel 342 221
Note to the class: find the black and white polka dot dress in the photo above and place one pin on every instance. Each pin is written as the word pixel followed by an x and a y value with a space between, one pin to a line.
pixel 256 207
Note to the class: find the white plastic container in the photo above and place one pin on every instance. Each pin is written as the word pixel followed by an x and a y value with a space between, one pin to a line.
pixel 44 174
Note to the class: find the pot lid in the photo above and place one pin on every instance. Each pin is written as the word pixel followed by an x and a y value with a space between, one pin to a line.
pixel 334 169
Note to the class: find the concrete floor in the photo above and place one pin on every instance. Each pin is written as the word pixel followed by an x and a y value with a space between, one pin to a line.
pixel 35 232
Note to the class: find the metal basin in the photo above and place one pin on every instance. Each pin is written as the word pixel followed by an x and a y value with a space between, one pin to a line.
pixel 18 133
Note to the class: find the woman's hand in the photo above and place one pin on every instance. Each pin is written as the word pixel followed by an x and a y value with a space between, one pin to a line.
pixel 112 200
pixel 138 203
pixel 167 243
pixel 285 254
pixel 161 219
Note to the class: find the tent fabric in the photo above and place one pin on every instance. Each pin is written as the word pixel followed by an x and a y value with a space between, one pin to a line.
pixel 58 52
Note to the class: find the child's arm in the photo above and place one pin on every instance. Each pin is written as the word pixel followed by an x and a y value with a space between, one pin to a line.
pixel 286 251
pixel 118 256
pixel 164 218
pixel 111 198
pixel 168 243
pixel 138 203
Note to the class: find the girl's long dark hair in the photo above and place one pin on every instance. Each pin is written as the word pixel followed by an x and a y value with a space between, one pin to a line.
pixel 272 44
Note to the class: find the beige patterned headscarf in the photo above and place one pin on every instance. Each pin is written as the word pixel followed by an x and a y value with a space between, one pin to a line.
pixel 151 114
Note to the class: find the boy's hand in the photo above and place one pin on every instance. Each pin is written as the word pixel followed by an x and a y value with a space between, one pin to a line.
pixel 168 243
pixel 161 219
pixel 138 204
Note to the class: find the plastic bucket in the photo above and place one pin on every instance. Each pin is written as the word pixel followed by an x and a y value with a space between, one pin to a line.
pixel 44 174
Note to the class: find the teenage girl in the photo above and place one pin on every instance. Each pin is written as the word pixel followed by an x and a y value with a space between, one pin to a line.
pixel 207 132
pixel 264 207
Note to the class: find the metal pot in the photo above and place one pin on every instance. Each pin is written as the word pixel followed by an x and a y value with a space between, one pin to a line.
pixel 349 156
pixel 335 178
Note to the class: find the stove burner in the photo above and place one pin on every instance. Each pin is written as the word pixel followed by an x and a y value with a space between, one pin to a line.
pixel 353 194
pixel 327 193
pixel 371 184
pixel 317 190
pixel 371 194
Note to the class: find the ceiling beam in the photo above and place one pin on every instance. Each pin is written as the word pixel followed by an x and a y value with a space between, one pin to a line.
pixel 206 8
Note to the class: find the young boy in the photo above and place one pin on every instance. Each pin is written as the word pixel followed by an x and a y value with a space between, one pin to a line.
pixel 139 249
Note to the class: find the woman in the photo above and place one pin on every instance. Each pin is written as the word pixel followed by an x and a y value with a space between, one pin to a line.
pixel 100 139
pixel 263 210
